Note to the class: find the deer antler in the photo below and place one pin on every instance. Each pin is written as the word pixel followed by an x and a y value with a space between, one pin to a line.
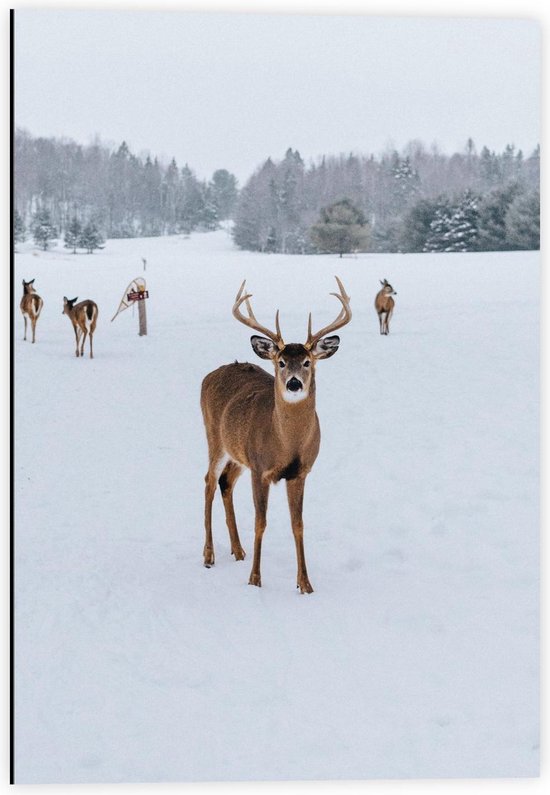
pixel 251 321
pixel 343 318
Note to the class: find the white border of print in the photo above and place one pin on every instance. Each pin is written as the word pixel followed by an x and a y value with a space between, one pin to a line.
pixel 525 9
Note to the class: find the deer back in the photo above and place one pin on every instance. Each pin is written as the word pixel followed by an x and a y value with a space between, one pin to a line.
pixel 31 304
pixel 84 314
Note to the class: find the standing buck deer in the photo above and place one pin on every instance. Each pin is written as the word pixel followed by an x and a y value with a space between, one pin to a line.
pixel 31 306
pixel 267 424
pixel 384 303
pixel 83 316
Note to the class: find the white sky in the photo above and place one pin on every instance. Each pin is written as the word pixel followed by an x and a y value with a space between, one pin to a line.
pixel 227 90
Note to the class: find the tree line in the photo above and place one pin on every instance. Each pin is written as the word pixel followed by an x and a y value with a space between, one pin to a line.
pixel 114 190
pixel 416 200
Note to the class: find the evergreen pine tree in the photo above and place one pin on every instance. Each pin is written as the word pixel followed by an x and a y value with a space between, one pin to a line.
pixel 191 206
pixel 490 168
pixel 463 231
pixel 43 231
pixel 405 184
pixel 72 235
pixel 90 238
pixel 455 226
pixel 440 226
pixel 492 218
pixel 523 222
pixel 415 228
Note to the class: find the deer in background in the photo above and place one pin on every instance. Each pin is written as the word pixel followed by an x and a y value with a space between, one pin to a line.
pixel 83 316
pixel 384 303
pixel 267 424
pixel 31 306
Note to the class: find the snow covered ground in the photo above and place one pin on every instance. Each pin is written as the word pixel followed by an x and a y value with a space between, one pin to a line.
pixel 417 655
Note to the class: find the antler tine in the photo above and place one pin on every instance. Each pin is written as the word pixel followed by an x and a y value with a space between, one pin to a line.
pixel 344 317
pixel 251 321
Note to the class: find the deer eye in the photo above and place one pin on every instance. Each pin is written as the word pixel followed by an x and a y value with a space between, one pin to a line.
pixel 281 363
pixel 307 363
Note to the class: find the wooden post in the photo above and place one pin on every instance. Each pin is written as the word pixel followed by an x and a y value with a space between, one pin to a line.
pixel 142 319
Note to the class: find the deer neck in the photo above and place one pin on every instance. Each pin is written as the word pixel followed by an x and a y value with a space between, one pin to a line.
pixel 294 421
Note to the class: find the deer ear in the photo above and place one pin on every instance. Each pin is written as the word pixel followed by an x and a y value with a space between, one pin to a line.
pixel 263 347
pixel 381 282
pixel 326 347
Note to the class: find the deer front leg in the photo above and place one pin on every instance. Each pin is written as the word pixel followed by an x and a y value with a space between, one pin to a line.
pixel 260 490
pixel 209 491
pixel 295 494
pixel 25 319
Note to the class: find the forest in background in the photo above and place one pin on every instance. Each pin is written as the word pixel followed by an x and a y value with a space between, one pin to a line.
pixel 413 201
pixel 123 194
pixel 418 199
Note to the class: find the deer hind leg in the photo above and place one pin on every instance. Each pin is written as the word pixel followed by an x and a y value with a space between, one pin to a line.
pixel 226 482
pixel 34 318
pixel 91 333
pixel 83 335
pixel 209 492
pixel 210 479
pixel 381 321
pixel 25 319
pixel 77 335
pixel 295 494
pixel 260 489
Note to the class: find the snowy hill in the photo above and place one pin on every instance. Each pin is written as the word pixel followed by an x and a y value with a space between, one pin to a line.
pixel 417 654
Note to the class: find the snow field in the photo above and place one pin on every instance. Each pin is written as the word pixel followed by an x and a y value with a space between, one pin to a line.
pixel 417 655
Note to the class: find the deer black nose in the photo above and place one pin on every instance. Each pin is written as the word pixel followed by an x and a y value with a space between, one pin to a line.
pixel 293 384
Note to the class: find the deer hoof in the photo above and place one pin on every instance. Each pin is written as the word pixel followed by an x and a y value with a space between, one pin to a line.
pixel 255 579
pixel 305 586
pixel 208 557
pixel 239 553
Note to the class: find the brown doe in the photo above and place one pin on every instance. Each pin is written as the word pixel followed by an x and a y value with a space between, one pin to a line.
pixel 83 316
pixel 268 424
pixel 384 303
pixel 31 306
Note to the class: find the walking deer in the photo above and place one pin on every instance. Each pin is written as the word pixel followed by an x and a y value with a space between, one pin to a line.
pixel 83 316
pixel 31 306
pixel 267 424
pixel 384 303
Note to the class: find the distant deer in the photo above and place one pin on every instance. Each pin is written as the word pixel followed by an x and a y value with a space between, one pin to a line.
pixel 267 424
pixel 31 306
pixel 83 316
pixel 384 303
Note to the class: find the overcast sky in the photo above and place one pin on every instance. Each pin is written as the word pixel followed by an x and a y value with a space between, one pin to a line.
pixel 229 90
